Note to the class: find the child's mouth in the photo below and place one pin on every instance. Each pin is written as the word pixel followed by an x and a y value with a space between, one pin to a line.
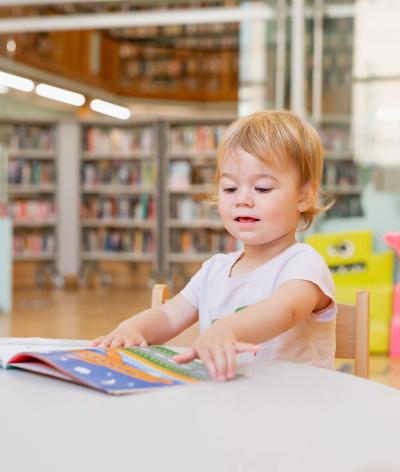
pixel 246 219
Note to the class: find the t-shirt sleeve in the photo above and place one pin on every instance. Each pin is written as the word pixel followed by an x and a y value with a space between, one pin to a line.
pixel 309 265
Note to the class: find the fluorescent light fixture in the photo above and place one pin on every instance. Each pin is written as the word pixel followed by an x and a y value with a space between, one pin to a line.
pixel 3 89
pixel 59 94
pixel 16 82
pixel 388 114
pixel 107 108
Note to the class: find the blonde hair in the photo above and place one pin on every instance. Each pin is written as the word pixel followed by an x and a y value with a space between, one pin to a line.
pixel 280 139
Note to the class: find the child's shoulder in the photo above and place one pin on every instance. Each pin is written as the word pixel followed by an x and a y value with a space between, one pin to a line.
pixel 306 253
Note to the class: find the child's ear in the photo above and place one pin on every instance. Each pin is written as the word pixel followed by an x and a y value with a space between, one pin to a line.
pixel 305 199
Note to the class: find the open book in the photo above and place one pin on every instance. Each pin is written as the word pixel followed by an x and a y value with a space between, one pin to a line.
pixel 115 371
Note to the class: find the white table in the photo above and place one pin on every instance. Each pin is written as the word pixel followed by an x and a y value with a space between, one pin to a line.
pixel 281 417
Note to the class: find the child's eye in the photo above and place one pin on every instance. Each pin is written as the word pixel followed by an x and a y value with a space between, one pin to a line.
pixel 229 189
pixel 263 189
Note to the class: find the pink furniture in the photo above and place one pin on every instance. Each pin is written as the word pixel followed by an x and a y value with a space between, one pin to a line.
pixel 393 241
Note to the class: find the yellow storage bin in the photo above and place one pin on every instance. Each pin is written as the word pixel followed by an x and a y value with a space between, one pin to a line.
pixel 355 267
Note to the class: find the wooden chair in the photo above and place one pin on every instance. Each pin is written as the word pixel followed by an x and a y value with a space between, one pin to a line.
pixel 352 329
pixel 352 333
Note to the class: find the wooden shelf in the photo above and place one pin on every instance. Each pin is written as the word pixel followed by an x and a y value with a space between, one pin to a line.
pixel 343 190
pixel 116 256
pixel 194 189
pixel 22 189
pixel 31 257
pixel 187 258
pixel 338 155
pixel 211 224
pixel 96 156
pixel 35 154
pixel 178 155
pixel 117 223
pixel 118 189
pixel 34 223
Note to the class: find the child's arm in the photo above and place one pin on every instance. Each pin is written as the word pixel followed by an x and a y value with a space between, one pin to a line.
pixel 293 302
pixel 152 326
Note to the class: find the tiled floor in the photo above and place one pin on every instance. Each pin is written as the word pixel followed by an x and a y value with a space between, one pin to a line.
pixel 87 313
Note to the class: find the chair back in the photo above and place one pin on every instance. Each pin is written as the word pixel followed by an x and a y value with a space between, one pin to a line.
pixel 352 333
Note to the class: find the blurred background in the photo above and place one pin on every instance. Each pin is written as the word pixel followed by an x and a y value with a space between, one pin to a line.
pixel 110 114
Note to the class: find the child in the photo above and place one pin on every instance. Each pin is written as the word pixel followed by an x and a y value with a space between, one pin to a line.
pixel 276 296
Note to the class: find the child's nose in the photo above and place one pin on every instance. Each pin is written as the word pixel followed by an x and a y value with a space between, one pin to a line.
pixel 244 199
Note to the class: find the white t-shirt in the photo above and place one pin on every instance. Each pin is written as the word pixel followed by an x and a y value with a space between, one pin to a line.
pixel 215 294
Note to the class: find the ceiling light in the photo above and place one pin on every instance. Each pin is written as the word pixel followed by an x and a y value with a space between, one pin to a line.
pixel 17 82
pixel 59 94
pixel 11 46
pixel 388 114
pixel 110 109
pixel 3 89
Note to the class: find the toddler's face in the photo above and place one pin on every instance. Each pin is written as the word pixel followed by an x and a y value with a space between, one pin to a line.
pixel 259 204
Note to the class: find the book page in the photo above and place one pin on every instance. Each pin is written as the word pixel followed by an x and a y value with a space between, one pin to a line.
pixel 9 347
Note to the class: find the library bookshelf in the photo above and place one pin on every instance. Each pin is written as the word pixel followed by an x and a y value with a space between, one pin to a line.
pixel 341 175
pixel 118 194
pixel 32 189
pixel 193 231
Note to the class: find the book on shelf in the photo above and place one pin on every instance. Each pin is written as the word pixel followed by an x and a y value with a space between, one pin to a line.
pixel 118 173
pixel 125 207
pixel 30 172
pixel 118 240
pixel 31 210
pixel 115 370
pixel 180 175
pixel 32 137
pixel 33 243
pixel 196 138
pixel 202 241
pixel 118 140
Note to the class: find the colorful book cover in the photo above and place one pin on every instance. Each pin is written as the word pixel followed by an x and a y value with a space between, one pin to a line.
pixel 114 371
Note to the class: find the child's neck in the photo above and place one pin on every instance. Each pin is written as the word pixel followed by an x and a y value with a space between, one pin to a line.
pixel 255 256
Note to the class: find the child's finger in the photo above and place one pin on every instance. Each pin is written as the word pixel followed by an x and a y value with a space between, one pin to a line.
pixel 118 341
pixel 208 361
pixel 220 362
pixel 97 341
pixel 186 356
pixel 106 341
pixel 230 353
pixel 247 347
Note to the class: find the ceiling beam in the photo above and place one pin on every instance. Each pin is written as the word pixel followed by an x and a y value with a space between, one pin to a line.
pixel 26 3
pixel 135 19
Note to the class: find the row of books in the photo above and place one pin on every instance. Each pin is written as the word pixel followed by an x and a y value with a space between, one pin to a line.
pixel 32 209
pixel 335 138
pixel 118 240
pixel 345 207
pixel 341 174
pixel 201 241
pixel 33 243
pixel 174 31
pixel 118 173
pixel 32 137
pixel 30 172
pixel 138 208
pixel 188 209
pixel 183 174
pixel 169 66
pixel 195 138
pixel 118 140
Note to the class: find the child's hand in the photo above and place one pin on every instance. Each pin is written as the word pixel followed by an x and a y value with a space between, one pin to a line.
pixel 126 334
pixel 217 348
